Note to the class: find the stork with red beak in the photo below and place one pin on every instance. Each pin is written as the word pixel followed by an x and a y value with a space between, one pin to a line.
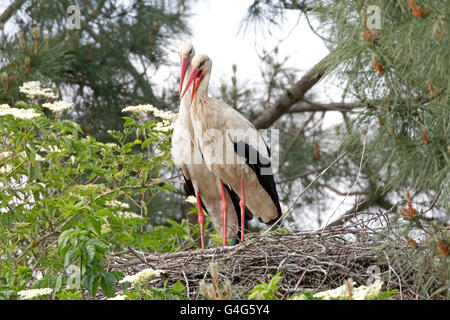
pixel 232 148
pixel 200 181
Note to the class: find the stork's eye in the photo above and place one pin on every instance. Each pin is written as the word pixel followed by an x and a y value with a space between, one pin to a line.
pixel 190 52
pixel 202 63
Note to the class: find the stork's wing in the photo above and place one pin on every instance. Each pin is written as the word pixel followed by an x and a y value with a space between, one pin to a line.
pixel 263 170
pixel 250 145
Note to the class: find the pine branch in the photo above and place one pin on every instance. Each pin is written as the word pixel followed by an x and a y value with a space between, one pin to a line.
pixel 11 10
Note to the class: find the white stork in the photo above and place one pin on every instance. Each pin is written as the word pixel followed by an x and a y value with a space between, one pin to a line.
pixel 232 148
pixel 200 181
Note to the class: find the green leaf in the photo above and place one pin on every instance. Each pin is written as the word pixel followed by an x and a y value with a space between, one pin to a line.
pixel 90 253
pixel 70 256
pixel 386 295
pixel 177 288
pixel 108 281
pixel 64 237
pixel 58 285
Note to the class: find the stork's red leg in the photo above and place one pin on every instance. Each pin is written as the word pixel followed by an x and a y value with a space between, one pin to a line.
pixel 223 215
pixel 242 204
pixel 201 220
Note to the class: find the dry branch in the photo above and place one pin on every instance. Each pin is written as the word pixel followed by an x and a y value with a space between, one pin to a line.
pixel 294 94
pixel 11 10
pixel 308 260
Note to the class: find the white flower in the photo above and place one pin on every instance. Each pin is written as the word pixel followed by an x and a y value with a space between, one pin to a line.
pixel 142 276
pixel 52 149
pixel 5 154
pixel 191 200
pixel 119 297
pixel 33 89
pixel 359 293
pixel 32 293
pixel 111 145
pixel 371 292
pixel 38 157
pixel 163 126
pixel 105 228
pixel 166 115
pixel 338 293
pixel 58 106
pixel 6 169
pixel 4 106
pixel 24 114
pixel 128 214
pixel 148 108
pixel 116 203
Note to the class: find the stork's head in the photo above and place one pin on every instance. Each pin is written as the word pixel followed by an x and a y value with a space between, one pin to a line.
pixel 186 53
pixel 201 67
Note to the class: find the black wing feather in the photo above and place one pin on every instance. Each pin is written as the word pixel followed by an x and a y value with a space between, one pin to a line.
pixel 267 181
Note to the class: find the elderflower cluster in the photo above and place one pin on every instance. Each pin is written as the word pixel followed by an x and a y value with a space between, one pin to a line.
pixel 163 126
pixel 148 108
pixel 4 106
pixel 116 203
pixel 359 293
pixel 33 90
pixel 6 169
pixel 5 154
pixel 128 214
pixel 145 108
pixel 167 116
pixel 32 293
pixel 191 200
pixel 24 114
pixel 142 276
pixel 58 106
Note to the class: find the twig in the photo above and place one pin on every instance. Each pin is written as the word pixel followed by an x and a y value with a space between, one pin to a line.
pixel 354 184
pixel 299 196
pixel 139 257
pixel 434 202
pixel 187 284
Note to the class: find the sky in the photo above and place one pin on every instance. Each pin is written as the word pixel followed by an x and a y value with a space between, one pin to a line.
pixel 215 27
pixel 215 31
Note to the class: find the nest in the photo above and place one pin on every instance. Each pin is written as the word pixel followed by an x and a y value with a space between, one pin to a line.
pixel 318 261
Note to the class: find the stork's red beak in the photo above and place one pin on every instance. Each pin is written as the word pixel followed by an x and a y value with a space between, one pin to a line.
pixel 196 76
pixel 184 66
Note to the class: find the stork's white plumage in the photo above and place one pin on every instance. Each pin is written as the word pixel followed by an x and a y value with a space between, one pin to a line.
pixel 186 156
pixel 232 148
